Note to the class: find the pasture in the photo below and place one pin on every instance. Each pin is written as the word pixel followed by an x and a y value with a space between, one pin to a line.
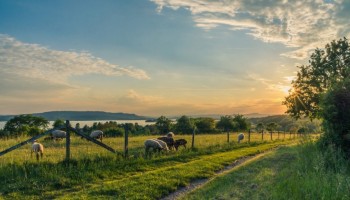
pixel 55 151
pixel 94 172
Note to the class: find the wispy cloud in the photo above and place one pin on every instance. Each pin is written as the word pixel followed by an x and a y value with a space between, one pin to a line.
pixel 303 25
pixel 38 62
pixel 272 85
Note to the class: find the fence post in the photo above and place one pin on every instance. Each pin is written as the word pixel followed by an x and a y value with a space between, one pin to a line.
pixel 126 141
pixel 249 136
pixel 271 135
pixel 67 141
pixel 228 136
pixel 262 135
pixel 193 133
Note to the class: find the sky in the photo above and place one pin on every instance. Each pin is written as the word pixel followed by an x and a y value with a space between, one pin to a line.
pixel 159 57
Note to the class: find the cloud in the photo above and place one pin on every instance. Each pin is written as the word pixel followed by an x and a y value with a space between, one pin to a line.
pixel 38 62
pixel 134 98
pixel 272 85
pixel 303 25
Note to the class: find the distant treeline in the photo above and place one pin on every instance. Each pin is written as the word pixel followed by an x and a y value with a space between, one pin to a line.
pixel 32 125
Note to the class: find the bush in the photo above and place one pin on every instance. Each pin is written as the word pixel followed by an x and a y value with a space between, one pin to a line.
pixel 114 132
pixel 336 114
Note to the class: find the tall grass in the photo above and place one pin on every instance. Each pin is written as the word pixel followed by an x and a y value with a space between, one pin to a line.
pixel 299 172
pixel 316 174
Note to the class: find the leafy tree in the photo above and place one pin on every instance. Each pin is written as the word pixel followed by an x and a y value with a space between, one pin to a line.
pixel 23 124
pixel 184 125
pixel 226 123
pixel 242 122
pixel 336 116
pixel 260 127
pixel 205 124
pixel 163 124
pixel 114 132
pixel 58 123
pixel 272 126
pixel 77 126
pixel 326 67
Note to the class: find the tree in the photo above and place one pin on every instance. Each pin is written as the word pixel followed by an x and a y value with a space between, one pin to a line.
pixel 326 67
pixel 25 124
pixel 163 124
pixel 184 125
pixel 226 123
pixel 336 116
pixel 205 124
pixel 58 123
pixel 260 127
pixel 271 127
pixel 242 122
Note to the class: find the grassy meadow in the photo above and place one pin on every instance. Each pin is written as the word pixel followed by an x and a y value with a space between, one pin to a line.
pixel 96 173
pixel 293 172
pixel 80 148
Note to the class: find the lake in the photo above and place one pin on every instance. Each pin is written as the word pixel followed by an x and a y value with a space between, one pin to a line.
pixel 89 123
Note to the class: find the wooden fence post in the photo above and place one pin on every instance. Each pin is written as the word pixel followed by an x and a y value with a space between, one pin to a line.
pixel 126 141
pixel 249 136
pixel 262 135
pixel 228 136
pixel 193 133
pixel 271 135
pixel 67 140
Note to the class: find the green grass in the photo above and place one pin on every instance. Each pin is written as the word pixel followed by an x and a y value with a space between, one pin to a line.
pixel 80 148
pixel 96 173
pixel 298 172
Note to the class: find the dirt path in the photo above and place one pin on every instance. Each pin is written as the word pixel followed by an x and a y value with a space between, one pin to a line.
pixel 181 192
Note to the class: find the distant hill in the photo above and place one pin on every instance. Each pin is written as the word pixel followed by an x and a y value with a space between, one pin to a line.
pixel 82 116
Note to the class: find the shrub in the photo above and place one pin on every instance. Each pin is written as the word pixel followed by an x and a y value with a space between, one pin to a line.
pixel 336 114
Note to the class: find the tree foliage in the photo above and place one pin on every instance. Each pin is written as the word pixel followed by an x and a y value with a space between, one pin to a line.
pixel 184 125
pixel 226 123
pixel 205 124
pixel 58 123
pixel 25 125
pixel 242 123
pixel 272 126
pixel 163 124
pixel 336 115
pixel 260 127
pixel 326 67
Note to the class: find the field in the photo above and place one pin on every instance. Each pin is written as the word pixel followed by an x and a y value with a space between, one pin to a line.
pixel 94 172
pixel 292 172
pixel 55 151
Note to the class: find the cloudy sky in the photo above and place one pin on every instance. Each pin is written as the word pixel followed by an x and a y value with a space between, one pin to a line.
pixel 159 57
